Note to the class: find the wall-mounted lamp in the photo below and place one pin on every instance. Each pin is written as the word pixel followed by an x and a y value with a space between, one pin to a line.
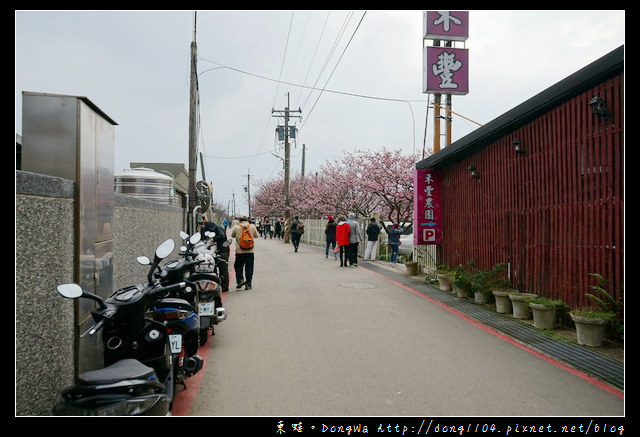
pixel 599 107
pixel 517 146
pixel 473 171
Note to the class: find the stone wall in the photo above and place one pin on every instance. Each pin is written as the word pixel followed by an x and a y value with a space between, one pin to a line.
pixel 46 361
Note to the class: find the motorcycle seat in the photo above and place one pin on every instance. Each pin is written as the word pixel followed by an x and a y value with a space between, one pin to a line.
pixel 118 371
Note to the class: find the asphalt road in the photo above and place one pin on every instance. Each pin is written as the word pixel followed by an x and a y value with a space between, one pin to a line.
pixel 314 339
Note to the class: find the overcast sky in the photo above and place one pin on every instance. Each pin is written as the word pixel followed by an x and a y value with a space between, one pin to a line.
pixel 356 77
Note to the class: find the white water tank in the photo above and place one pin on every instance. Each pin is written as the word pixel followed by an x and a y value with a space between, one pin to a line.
pixel 145 183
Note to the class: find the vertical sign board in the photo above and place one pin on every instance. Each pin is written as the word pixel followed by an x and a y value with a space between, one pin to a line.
pixel 427 207
pixel 445 69
pixel 446 25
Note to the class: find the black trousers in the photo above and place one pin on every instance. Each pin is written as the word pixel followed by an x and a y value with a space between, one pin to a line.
pixel 353 253
pixel 243 266
pixel 295 239
pixel 223 269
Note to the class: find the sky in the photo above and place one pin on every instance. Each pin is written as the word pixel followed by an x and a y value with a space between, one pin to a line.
pixel 352 78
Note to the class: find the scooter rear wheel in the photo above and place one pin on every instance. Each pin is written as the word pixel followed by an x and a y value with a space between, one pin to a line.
pixel 204 336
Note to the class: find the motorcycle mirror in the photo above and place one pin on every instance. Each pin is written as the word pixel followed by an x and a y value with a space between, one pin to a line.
pixel 143 260
pixel 195 238
pixel 70 291
pixel 165 249
pixel 184 235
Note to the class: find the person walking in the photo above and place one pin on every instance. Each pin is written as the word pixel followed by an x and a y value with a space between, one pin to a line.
pixel 354 239
pixel 394 240
pixel 371 249
pixel 330 232
pixel 277 228
pixel 297 229
pixel 219 236
pixel 342 240
pixel 267 228
pixel 245 234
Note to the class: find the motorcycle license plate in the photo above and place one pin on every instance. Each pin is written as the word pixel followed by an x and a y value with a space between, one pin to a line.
pixel 205 308
pixel 175 341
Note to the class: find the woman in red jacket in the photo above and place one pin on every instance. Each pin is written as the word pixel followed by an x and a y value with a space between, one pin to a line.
pixel 342 240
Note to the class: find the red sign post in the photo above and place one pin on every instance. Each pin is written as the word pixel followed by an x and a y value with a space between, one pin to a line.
pixel 427 207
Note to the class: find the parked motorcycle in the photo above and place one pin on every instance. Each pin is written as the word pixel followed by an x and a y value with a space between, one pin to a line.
pixel 179 312
pixel 139 376
pixel 208 283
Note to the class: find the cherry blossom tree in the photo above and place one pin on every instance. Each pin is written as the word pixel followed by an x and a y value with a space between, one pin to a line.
pixel 364 182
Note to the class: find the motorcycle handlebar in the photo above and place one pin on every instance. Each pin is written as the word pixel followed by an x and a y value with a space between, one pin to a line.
pixel 171 287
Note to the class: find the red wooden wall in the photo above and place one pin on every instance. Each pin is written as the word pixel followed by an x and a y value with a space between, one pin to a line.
pixel 556 211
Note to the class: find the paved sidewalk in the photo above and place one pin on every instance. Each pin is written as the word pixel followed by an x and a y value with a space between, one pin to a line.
pixel 581 358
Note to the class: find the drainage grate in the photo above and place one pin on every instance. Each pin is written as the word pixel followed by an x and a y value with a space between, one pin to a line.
pixel 590 362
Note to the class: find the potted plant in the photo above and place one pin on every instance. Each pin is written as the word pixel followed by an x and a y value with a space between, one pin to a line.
pixel 411 265
pixel 484 281
pixel 501 297
pixel 591 321
pixel 462 280
pixel 590 325
pixel 444 275
pixel 520 304
pixel 544 312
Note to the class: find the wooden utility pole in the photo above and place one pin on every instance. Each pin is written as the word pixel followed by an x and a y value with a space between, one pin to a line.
pixel 249 192
pixel 193 145
pixel 287 199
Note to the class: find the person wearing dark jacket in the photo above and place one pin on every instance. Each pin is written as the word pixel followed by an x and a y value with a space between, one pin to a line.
pixel 371 249
pixel 330 232
pixel 297 228
pixel 394 240
pixel 220 236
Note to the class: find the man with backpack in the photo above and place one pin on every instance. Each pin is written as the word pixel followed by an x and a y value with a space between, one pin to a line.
pixel 297 229
pixel 245 234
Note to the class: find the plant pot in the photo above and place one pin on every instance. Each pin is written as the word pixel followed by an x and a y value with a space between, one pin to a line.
pixel 590 331
pixel 520 305
pixel 480 297
pixel 544 316
pixel 503 303
pixel 412 268
pixel 445 281
pixel 461 292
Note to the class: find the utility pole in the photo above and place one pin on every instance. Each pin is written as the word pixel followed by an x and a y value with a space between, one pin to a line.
pixel 287 200
pixel 233 195
pixel 193 146
pixel 249 192
pixel 303 151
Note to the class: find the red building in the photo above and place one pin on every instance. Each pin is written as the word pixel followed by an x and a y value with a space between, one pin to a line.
pixel 542 187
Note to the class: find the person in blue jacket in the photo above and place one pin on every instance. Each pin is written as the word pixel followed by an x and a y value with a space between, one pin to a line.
pixel 394 240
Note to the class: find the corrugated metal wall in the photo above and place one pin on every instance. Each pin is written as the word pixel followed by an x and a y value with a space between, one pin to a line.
pixel 554 212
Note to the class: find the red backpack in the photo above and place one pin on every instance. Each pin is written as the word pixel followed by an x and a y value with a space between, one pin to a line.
pixel 246 239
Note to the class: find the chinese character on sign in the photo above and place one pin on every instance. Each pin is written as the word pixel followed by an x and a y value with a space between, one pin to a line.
pixel 446 25
pixel 446 70
pixel 445 19
pixel 445 67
